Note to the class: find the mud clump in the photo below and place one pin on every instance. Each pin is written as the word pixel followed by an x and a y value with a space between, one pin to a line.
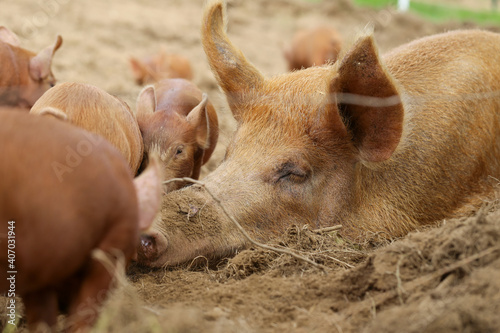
pixel 191 214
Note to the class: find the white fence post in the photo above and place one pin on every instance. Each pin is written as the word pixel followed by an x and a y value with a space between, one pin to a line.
pixel 403 5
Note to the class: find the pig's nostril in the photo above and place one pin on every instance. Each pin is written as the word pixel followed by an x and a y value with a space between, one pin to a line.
pixel 147 251
pixel 148 242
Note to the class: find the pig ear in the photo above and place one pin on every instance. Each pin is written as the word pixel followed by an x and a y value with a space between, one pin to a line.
pixel 8 37
pixel 148 188
pixel 236 76
pixel 198 117
pixel 51 111
pixel 369 102
pixel 146 102
pixel 138 70
pixel 41 63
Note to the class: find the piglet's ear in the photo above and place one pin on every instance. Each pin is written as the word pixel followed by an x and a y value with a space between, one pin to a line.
pixel 51 111
pixel 41 63
pixel 198 117
pixel 148 188
pixel 146 102
pixel 138 70
pixel 8 37
pixel 369 102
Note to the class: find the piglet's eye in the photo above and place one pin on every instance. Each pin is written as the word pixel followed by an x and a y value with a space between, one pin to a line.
pixel 179 150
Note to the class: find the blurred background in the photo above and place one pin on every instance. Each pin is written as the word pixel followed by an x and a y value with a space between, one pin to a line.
pixel 478 11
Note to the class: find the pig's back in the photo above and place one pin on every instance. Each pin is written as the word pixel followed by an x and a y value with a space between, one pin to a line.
pixel 62 207
pixel 450 86
pixel 96 111
pixel 447 63
pixel 118 125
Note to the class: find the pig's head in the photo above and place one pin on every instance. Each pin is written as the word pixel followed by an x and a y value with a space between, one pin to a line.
pixel 313 47
pixel 160 66
pixel 37 77
pixel 301 136
pixel 178 130
pixel 143 70
pixel 297 152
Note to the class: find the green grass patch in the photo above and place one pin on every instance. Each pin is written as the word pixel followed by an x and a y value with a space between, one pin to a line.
pixel 444 13
pixel 376 3
pixel 439 13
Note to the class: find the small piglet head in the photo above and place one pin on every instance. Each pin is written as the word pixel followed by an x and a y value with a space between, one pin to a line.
pixel 181 140
pixel 313 47
pixel 157 67
pixel 31 72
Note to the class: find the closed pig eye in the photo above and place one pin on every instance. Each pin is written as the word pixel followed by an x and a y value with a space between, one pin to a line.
pixel 293 173
pixel 293 177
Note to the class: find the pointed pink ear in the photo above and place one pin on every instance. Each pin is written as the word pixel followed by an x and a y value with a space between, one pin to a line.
pixel 148 188
pixel 146 102
pixel 8 37
pixel 41 63
pixel 198 117
pixel 369 102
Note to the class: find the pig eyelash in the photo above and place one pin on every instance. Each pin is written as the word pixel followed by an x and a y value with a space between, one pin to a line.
pixel 291 172
pixel 294 178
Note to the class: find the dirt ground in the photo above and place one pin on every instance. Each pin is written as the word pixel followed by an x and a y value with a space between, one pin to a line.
pixel 443 279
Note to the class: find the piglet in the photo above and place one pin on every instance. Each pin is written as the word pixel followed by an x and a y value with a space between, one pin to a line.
pixel 24 75
pixel 313 47
pixel 51 224
pixel 179 124
pixel 97 111
pixel 160 66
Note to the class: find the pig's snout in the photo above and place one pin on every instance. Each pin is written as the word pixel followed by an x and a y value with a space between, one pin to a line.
pixel 148 244
pixel 147 241
pixel 148 249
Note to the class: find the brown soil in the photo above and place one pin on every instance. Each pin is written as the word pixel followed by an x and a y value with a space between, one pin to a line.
pixel 444 279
